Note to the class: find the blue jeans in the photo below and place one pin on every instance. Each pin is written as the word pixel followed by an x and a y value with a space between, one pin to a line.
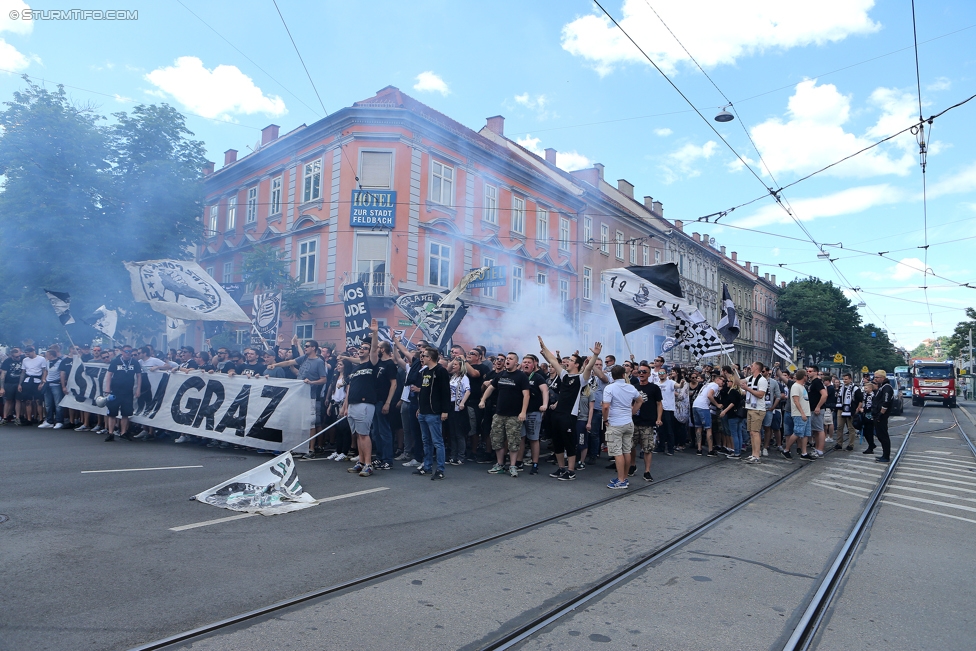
pixel 430 428
pixel 736 428
pixel 52 403
pixel 382 435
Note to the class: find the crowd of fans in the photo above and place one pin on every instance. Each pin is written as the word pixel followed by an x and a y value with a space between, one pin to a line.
pixel 395 403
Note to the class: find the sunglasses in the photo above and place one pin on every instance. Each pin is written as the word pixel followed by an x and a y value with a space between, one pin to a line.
pixel 643 372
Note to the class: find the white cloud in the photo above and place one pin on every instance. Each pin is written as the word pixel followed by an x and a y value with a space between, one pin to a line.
pixel 220 92
pixel 942 83
pixel 122 98
pixel 846 202
pixel 565 160
pixel 962 181
pixel 813 136
pixel 8 24
pixel 681 163
pixel 732 30
pixel 11 59
pixel 906 268
pixel 428 82
pixel 537 104
pixel 664 133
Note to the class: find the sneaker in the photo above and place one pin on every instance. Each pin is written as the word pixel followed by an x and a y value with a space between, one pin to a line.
pixel 354 459
pixel 421 471
pixel 838 447
pixel 384 466
pixel 765 452
pixel 670 453
pixel 882 460
pixel 870 450
pixel 366 471
pixel 535 469
pixel 581 466
pixel 355 469
pixel 459 462
pixel 403 456
pixel 647 477
pixel 17 421
pixel 631 471
pixel 520 464
pixel 829 439
pixel 59 426
pixel 808 456
pixel 513 471
pixel 712 453
pixel 753 460
pixel 735 456
pixel 110 438
pixel 616 484
pixel 569 475
pixel 437 475
pixel 332 456
pixel 183 439
pixel 819 453
pixel 786 454
pixel 849 448
pixel 413 463
pixel 496 469
pixel 612 465
pixel 699 453
pixel 141 436
pixel 82 428
pixel 341 457
pixel 558 472
pixel 45 425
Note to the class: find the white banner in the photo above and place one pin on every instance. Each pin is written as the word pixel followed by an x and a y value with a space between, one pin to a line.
pixel 269 489
pixel 262 413
pixel 182 290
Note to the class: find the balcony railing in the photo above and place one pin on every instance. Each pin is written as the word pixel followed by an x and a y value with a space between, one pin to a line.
pixel 378 283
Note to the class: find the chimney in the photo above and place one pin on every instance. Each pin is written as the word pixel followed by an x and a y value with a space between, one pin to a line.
pixel 648 202
pixel 696 236
pixel 658 207
pixel 625 186
pixel 208 168
pixel 269 134
pixel 496 124
pixel 773 279
pixel 755 270
pixel 723 251
pixel 735 257
pixel 767 277
pixel 783 284
pixel 680 225
pixel 230 156
pixel 551 155
pixel 599 168
pixel 705 239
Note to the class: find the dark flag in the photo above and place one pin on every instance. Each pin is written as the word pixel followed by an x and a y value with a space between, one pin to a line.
pixel 61 302
pixel 644 295
pixel 728 325
pixel 781 348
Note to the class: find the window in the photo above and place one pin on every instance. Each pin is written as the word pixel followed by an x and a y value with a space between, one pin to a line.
pixel 275 196
pixel 542 225
pixel 518 215
pixel 488 292
pixel 563 291
pixel 441 183
pixel 242 337
pixel 586 333
pixel 307 251
pixel 439 265
pixel 604 238
pixel 376 169
pixel 312 186
pixel 646 254
pixel 587 231
pixel 619 245
pixel 604 298
pixel 633 252
pixel 587 283
pixel 490 211
pixel 542 278
pixel 228 275
pixel 563 234
pixel 657 257
pixel 210 271
pixel 252 205
pixel 304 331
pixel 517 276
pixel 212 224
pixel 371 252
pixel 231 214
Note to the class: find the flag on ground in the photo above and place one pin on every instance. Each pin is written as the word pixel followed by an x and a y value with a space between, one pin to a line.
pixel 728 325
pixel 61 302
pixel 695 334
pixel 269 489
pixel 182 290
pixel 781 348
pixel 644 295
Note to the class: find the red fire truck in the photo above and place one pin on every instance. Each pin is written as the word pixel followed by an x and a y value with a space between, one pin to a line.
pixel 934 381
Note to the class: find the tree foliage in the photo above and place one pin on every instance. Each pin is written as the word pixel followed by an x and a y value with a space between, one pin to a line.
pixel 263 269
pixel 958 344
pixel 82 195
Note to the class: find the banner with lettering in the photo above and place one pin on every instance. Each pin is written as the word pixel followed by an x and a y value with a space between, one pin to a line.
pixel 262 413
pixel 356 310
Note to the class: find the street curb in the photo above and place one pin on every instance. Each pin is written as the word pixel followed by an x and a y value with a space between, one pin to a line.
pixel 968 415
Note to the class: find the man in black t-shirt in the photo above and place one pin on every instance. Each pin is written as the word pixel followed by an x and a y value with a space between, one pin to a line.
pixel 251 367
pixel 435 405
pixel 651 415
pixel 10 372
pixel 538 406
pixel 360 402
pixel 477 372
pixel 818 397
pixel 512 387
pixel 382 432
pixel 122 384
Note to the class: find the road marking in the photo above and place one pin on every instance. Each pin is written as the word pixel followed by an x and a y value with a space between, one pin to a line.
pixel 91 472
pixel 854 479
pixel 926 483
pixel 241 516
pixel 934 451
pixel 934 420
pixel 943 437
pixel 943 464
pixel 951 481
pixel 839 490
pixel 915 508
pixel 896 418
pixel 931 469
pixel 942 460
pixel 927 492
pixel 945 504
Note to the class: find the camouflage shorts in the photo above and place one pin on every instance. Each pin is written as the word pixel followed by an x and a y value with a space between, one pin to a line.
pixel 506 428
pixel 646 436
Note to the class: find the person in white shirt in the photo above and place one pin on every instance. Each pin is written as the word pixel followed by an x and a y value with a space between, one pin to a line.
pixel 756 387
pixel 703 415
pixel 621 401
pixel 670 425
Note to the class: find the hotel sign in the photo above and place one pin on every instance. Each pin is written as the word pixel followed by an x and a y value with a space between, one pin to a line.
pixel 373 209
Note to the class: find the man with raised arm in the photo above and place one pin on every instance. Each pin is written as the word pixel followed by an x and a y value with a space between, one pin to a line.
pixel 360 402
pixel 571 380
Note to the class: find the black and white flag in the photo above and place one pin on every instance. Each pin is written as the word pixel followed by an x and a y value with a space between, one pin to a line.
pixel 728 325
pixel 104 320
pixel 781 348
pixel 61 302
pixel 182 290
pixel 695 334
pixel 436 318
pixel 644 295
pixel 267 314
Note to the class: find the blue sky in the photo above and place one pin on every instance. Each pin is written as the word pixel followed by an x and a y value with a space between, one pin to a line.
pixel 566 78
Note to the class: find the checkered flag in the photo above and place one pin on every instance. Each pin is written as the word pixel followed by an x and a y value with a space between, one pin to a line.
pixel 695 334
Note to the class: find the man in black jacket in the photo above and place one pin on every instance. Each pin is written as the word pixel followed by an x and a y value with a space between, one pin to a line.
pixel 880 409
pixel 435 404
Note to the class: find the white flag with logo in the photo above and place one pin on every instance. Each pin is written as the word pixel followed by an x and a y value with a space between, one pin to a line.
pixel 182 290
pixel 269 489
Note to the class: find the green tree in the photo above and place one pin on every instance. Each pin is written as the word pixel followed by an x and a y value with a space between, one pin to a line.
pixel 958 344
pixel 825 320
pixel 264 269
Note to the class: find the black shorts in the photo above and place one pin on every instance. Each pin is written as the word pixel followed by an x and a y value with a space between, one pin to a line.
pixel 563 431
pixel 30 391
pixel 10 392
pixel 122 404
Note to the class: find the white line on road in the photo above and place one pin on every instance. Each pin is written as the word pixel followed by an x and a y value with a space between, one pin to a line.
pixel 902 473
pixel 249 515
pixel 839 490
pixel 91 472
pixel 853 479
pixel 936 493
pixel 941 463
pixel 915 508
pixel 928 483
pixel 936 502
pixel 934 420
pixel 942 472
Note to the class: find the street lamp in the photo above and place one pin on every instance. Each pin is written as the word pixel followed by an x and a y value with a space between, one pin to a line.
pixel 724 116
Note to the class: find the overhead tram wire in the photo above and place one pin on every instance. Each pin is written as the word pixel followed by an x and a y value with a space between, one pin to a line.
pixel 922 160
pixel 295 45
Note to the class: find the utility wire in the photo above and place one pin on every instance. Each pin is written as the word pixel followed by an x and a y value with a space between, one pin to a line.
pixel 295 45
pixel 922 160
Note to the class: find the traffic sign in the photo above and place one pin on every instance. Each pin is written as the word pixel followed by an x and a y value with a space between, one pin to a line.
pixel 864 369
pixel 838 359
pixel 792 367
